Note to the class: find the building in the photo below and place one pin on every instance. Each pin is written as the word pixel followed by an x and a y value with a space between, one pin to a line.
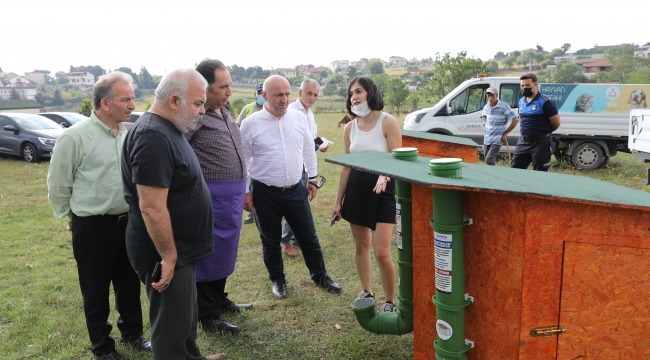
pixel 313 73
pixel 286 72
pixel 338 65
pixel 642 51
pixel 419 72
pixel 21 106
pixel 21 85
pixel 397 61
pixel 83 80
pixel 596 66
pixel 36 76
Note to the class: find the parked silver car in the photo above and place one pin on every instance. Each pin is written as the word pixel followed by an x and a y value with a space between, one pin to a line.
pixel 65 119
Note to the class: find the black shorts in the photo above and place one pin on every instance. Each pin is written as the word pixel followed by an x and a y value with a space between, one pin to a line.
pixel 361 206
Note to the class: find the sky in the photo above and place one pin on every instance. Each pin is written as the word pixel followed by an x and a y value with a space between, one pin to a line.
pixel 164 35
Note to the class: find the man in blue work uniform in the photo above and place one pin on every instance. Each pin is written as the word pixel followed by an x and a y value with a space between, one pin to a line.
pixel 538 119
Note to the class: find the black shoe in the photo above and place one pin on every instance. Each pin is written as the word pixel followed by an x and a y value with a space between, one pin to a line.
pixel 250 218
pixel 279 289
pixel 219 325
pixel 328 284
pixel 139 343
pixel 235 308
pixel 113 355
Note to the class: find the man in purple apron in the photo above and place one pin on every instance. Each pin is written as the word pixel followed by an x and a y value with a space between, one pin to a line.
pixel 216 140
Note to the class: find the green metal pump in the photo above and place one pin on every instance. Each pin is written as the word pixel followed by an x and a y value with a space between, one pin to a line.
pixel 401 322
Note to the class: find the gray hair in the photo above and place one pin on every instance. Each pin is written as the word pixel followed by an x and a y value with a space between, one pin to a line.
pixel 177 82
pixel 309 81
pixel 103 88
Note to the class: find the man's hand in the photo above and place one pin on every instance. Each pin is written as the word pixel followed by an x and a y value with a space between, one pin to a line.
pixel 248 202
pixel 69 226
pixel 312 190
pixel 504 137
pixel 166 276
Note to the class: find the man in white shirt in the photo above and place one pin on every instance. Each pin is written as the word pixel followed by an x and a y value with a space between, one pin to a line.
pixel 307 96
pixel 279 140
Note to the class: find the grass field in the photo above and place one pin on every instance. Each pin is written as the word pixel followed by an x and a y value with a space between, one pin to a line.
pixel 41 307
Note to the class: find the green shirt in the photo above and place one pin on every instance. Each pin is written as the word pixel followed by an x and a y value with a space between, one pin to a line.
pixel 84 177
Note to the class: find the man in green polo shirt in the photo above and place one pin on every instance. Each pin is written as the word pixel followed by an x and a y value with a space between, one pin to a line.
pixel 85 186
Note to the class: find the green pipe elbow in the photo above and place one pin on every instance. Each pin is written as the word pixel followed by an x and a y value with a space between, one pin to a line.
pixel 379 322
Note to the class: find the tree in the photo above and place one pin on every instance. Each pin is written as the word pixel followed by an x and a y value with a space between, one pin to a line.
pixel 396 93
pixel 336 79
pixel 323 74
pixel 414 99
pixel 376 67
pixel 86 107
pixel 128 71
pixel 625 65
pixel 567 72
pixel 509 62
pixel 58 100
pixel 352 71
pixel 451 72
pixel 14 95
pixel 500 55
pixel 539 47
pixel 640 76
pixel 612 54
pixel 329 90
pixel 526 57
pixel 342 92
pixel 565 47
pixel 145 80
pixel 382 82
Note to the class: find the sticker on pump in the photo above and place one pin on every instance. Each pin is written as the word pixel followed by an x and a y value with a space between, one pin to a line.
pixel 399 226
pixel 442 257
pixel 444 330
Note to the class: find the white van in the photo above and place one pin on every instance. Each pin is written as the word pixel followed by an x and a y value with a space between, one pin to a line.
pixel 594 116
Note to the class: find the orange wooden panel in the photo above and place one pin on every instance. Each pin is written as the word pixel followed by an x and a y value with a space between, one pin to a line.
pixel 549 223
pixel 605 308
pixel 437 149
pixel 424 286
pixel 494 249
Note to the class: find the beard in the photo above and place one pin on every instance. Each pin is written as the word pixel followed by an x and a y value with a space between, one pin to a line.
pixel 183 121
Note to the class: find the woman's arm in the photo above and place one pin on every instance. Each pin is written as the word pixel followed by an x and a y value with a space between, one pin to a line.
pixel 393 136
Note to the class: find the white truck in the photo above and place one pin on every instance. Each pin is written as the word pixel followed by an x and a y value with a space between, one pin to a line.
pixel 594 116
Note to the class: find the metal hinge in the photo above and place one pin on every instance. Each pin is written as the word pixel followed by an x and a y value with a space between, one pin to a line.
pixel 547 330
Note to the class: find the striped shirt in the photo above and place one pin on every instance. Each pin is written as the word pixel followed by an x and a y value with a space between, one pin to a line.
pixel 496 122
pixel 217 144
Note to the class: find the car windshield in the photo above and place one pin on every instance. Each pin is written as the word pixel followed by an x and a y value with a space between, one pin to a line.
pixel 74 118
pixel 35 122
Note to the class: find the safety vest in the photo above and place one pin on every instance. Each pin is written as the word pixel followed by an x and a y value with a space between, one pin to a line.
pixel 249 108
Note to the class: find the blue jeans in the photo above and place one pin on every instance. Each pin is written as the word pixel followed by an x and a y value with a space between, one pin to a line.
pixel 287 234
pixel 271 204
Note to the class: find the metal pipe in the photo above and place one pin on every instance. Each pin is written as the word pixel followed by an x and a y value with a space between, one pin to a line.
pixel 450 298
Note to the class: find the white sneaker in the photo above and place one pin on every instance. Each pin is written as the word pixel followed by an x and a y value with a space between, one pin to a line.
pixel 365 295
pixel 389 307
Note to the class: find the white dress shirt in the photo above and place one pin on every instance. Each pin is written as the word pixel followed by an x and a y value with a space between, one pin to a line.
pixel 279 147
pixel 310 116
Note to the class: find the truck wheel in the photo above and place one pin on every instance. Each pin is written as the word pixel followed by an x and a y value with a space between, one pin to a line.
pixel 588 156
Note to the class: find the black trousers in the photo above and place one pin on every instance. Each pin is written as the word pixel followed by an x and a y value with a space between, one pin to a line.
pixel 211 297
pixel 100 251
pixel 173 316
pixel 537 151
pixel 271 204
